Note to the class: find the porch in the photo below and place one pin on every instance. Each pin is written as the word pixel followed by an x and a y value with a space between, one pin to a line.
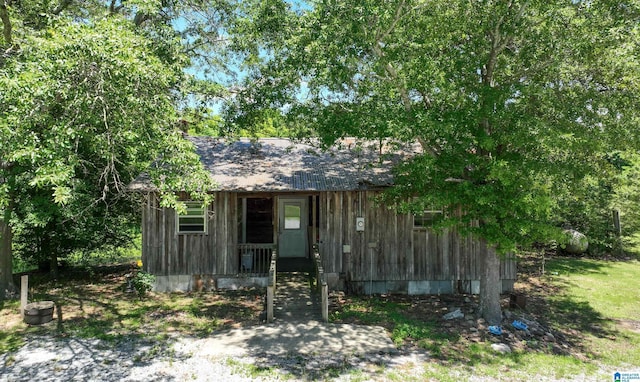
pixel 254 260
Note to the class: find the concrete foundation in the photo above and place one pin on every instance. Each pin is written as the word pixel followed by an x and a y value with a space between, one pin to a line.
pixel 430 287
pixel 418 287
pixel 174 283
pixel 205 283
pixel 235 283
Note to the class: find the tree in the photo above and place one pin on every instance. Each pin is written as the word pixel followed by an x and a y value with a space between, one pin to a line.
pixel 85 108
pixel 163 35
pixel 513 102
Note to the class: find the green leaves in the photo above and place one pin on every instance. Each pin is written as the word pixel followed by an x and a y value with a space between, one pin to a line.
pixel 513 102
pixel 85 108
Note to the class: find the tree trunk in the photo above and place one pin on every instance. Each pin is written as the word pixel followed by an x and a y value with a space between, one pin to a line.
pixel 7 287
pixel 53 264
pixel 48 252
pixel 6 24
pixel 490 286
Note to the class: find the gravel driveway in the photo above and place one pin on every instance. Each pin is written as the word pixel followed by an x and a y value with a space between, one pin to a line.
pixel 284 351
pixel 304 351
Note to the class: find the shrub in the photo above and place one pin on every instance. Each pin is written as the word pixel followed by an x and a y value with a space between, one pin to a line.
pixel 143 282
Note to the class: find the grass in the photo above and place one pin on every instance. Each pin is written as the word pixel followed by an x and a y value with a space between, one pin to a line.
pixel 594 304
pixel 454 356
pixel 608 288
pixel 96 305
pixel 392 314
pixel 601 302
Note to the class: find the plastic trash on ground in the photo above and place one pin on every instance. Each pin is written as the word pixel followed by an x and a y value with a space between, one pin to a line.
pixel 519 325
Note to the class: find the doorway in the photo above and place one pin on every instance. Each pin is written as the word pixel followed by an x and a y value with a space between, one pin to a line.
pixel 293 215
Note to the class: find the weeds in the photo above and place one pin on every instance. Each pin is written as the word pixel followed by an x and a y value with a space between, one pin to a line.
pixel 143 283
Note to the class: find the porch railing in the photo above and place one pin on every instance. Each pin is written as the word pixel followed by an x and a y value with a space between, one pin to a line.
pixel 271 285
pixel 322 285
pixel 254 259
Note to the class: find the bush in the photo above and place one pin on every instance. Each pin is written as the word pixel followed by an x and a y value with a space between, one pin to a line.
pixel 143 282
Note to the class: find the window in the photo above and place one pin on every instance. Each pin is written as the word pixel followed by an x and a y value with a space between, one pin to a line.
pixel 194 219
pixel 291 216
pixel 426 219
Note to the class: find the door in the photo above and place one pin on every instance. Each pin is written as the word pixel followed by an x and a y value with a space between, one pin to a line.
pixel 292 227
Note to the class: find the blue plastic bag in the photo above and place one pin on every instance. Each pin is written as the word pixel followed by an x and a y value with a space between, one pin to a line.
pixel 519 325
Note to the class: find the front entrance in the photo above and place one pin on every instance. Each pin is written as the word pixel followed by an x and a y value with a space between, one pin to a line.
pixel 293 215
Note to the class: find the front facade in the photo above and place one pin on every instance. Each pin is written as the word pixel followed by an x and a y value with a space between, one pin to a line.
pixel 294 199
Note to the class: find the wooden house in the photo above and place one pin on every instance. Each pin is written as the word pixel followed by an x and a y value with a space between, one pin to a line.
pixel 293 198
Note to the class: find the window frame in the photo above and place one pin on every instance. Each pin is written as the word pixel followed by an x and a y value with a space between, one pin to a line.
pixel 427 218
pixel 192 206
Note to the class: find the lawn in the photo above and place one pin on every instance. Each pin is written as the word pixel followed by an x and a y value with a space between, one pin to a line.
pixel 94 302
pixel 592 305
pixel 601 301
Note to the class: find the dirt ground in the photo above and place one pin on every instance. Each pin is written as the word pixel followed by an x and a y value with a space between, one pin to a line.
pixel 99 296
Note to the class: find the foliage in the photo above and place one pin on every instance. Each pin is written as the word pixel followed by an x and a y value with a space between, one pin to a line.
pixel 588 209
pixel 503 131
pixel 513 103
pixel 88 103
pixel 143 282
pixel 86 109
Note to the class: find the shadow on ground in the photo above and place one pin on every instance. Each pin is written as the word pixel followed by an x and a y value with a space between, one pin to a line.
pixel 550 303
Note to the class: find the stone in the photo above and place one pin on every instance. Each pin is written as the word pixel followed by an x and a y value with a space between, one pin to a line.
pixel 577 242
pixel 501 348
pixel 454 315
pixel 473 329
pixel 467 300
pixel 549 337
pixel 557 350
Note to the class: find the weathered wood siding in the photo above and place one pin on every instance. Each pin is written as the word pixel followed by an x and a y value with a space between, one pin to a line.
pixel 165 252
pixel 390 248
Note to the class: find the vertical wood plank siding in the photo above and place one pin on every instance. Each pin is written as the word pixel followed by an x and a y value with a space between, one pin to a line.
pixel 165 252
pixel 388 249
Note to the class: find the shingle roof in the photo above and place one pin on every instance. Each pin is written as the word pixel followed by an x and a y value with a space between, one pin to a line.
pixel 278 164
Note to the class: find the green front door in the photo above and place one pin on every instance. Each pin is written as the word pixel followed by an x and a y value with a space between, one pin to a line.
pixel 292 227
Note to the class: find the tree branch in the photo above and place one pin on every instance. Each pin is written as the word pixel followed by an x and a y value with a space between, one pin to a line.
pixel 140 18
pixel 498 44
pixel 381 36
